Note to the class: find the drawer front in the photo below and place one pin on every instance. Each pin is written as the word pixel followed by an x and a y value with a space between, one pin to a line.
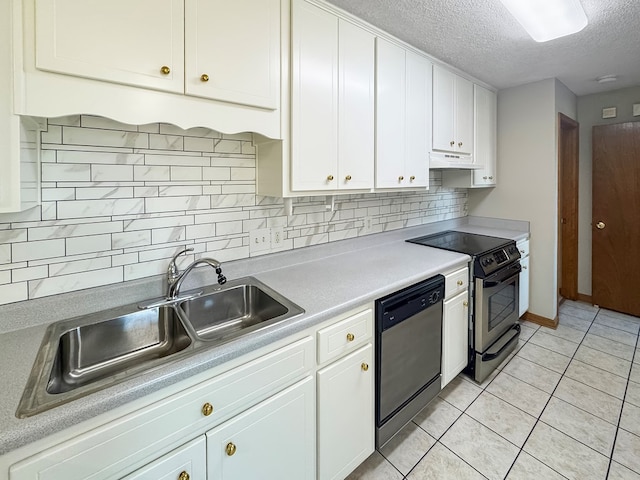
pixel 523 246
pixel 456 282
pixel 120 446
pixel 190 459
pixel 344 336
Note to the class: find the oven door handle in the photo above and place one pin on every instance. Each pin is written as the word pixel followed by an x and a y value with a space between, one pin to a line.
pixel 502 277
pixel 487 357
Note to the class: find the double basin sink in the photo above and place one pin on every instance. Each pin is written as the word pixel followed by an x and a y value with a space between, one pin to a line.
pixel 86 354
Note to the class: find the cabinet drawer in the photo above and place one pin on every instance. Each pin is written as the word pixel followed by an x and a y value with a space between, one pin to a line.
pixel 523 246
pixel 456 282
pixel 120 446
pixel 345 335
pixel 190 458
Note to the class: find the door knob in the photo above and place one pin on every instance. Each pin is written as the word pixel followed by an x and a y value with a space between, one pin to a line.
pixel 600 225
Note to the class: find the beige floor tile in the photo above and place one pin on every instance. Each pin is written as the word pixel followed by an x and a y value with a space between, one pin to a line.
pixel 630 419
pixel 407 447
pixel 533 374
pixel 376 467
pixel 633 394
pixel 526 332
pixel 627 450
pixel 623 316
pixel 608 346
pixel 610 363
pixel 589 399
pixel 519 394
pixel 556 344
pixel 634 376
pixel 580 425
pixel 528 468
pixel 582 313
pixel 442 464
pixel 483 449
pixel 619 472
pixel 460 393
pixel 581 305
pixel 501 417
pixel 597 378
pixel 566 332
pixel 437 417
pixel 614 334
pixel 573 322
pixel 545 357
pixel 636 358
pixel 566 455
pixel 628 325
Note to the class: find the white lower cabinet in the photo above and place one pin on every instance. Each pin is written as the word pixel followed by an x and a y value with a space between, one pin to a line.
pixel 345 414
pixel 184 463
pixel 455 337
pixel 272 441
pixel 523 246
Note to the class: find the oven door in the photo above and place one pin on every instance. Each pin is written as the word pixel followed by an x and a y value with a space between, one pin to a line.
pixel 496 305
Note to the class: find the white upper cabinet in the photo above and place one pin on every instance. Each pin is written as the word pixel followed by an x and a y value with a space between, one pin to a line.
pixel 403 93
pixel 232 51
pixel 332 124
pixel 485 126
pixel 452 112
pixel 140 44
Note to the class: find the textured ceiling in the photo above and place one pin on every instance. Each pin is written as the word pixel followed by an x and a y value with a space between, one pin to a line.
pixel 481 38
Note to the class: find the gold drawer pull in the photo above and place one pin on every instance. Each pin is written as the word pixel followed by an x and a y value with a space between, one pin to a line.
pixel 350 337
pixel 452 143
pixel 400 178
pixel 459 144
pixel 347 178
pixel 183 476
pixel 165 70
pixel 230 449
pixel 364 367
pixel 204 77
pixel 460 283
pixel 465 303
pixel 330 178
pixel 207 409
pixel 412 178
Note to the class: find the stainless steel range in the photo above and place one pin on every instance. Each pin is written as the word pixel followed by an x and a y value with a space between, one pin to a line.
pixel 494 281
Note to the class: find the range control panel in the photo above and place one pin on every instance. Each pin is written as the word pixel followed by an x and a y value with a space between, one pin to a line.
pixel 496 259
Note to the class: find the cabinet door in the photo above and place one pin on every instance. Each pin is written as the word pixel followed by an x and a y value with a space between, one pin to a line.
pixel 233 51
pixel 444 136
pixel 485 110
pixel 463 115
pixel 455 337
pixel 345 414
pixel 356 107
pixel 140 44
pixel 524 286
pixel 190 459
pixel 314 122
pixel 418 120
pixel 390 114
pixel 272 441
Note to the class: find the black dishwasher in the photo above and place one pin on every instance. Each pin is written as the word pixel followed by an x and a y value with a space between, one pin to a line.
pixel 408 354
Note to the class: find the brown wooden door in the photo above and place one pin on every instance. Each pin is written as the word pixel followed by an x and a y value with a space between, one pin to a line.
pixel 616 217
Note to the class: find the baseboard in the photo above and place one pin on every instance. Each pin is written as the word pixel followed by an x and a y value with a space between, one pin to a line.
pixel 585 298
pixel 540 320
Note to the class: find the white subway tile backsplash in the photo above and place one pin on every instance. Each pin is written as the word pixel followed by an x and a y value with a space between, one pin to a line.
pixel 119 200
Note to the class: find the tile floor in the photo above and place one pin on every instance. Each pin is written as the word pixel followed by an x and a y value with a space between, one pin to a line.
pixel 565 405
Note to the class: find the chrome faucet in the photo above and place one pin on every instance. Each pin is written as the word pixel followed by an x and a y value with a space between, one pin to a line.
pixel 175 277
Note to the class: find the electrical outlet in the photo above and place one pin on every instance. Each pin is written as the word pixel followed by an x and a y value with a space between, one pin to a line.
pixel 368 225
pixel 259 241
pixel 277 238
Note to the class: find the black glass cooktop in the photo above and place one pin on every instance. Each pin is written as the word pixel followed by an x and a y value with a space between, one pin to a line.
pixel 469 243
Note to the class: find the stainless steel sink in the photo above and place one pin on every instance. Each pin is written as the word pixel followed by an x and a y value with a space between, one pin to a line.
pixel 86 354
pixel 239 307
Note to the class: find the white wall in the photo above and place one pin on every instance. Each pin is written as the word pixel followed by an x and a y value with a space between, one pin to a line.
pixel 590 114
pixel 120 200
pixel 527 178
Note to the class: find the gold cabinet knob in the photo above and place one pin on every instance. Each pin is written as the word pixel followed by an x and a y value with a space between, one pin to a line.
pixel 364 366
pixel 465 303
pixel 347 178
pixel 165 70
pixel 350 337
pixel 459 144
pixel 207 409
pixel 183 476
pixel 330 178
pixel 600 225
pixel 452 143
pixel 485 177
pixel 230 449
pixel 400 178
pixel 524 267
pixel 460 283
pixel 490 178
pixel 412 178
pixel 204 77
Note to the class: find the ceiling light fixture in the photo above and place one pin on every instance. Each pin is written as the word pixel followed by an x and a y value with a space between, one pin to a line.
pixel 545 20
pixel 607 78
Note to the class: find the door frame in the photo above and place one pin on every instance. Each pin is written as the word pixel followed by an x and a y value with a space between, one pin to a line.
pixel 568 174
